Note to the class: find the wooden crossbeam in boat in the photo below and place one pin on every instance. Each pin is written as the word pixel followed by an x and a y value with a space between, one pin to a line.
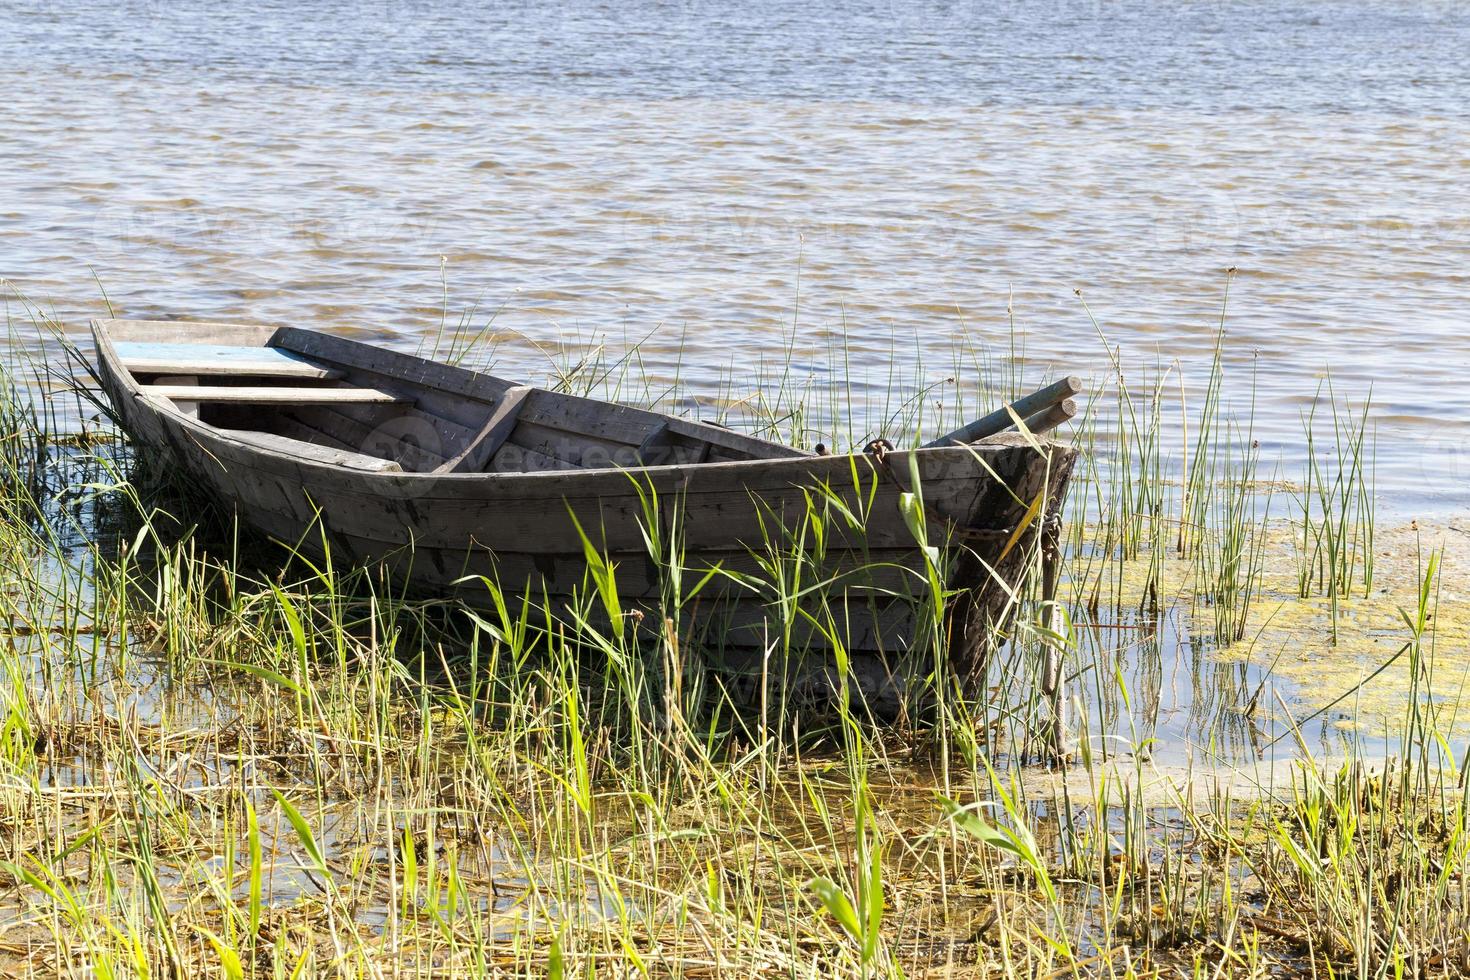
pixel 218 359
pixel 492 435
pixel 266 395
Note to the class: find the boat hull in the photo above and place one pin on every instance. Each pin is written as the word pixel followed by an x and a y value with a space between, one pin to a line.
pixel 987 510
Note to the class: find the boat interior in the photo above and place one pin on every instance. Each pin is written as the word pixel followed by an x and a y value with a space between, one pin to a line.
pixel 324 398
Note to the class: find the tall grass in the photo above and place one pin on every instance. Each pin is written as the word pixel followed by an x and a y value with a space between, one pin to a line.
pixel 221 756
pixel 1335 552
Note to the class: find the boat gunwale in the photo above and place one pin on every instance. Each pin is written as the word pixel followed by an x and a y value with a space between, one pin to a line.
pixel 113 366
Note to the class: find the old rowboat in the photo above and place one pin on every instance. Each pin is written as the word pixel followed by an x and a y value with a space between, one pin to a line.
pixel 441 474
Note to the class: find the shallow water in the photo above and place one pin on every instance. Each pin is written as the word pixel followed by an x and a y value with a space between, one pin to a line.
pixel 710 174
pixel 712 177
pixel 130 720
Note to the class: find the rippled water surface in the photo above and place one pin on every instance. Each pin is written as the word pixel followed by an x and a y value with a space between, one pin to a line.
pixel 712 173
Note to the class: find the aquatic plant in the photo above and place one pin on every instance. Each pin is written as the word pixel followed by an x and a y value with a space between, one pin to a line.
pixel 221 756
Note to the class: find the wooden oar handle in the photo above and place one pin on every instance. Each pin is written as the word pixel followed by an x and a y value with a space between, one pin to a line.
pixel 1034 404
pixel 1059 413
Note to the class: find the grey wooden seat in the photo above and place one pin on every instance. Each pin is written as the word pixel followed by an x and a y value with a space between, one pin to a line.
pixel 268 395
pixel 218 359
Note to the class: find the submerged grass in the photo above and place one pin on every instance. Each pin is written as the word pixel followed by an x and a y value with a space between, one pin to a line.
pixel 216 756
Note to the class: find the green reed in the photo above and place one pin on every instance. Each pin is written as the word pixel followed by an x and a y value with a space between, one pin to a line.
pixel 1229 551
pixel 264 765
pixel 1335 549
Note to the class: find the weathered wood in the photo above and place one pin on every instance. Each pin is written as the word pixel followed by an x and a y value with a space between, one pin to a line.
pixel 1002 418
pixel 654 449
pixel 323 423
pixel 1053 668
pixel 555 468
pixel 722 511
pixel 189 408
pixel 463 413
pixel 853 576
pixel 142 357
pixel 184 332
pixel 667 446
pixel 514 459
pixel 406 367
pixel 607 425
pixel 578 449
pixel 1045 421
pixel 386 431
pixel 1059 414
pixel 487 442
pixel 313 452
pixel 291 428
pixel 621 424
pixel 729 439
pixel 261 394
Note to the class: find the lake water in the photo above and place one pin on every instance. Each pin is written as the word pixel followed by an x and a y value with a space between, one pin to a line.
pixel 708 174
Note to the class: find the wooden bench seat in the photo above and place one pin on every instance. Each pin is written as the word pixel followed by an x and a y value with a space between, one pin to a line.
pixel 216 359
pixel 267 395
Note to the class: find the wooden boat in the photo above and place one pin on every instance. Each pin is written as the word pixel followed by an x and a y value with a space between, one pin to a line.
pixel 442 474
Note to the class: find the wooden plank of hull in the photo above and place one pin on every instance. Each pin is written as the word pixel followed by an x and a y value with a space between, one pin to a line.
pixel 500 513
pixel 884 574
pixel 581 451
pixel 605 424
pixel 867 621
pixel 390 363
pixel 331 456
pixel 719 509
pixel 515 459
pixel 622 425
pixel 416 442
pixel 287 506
pixel 893 587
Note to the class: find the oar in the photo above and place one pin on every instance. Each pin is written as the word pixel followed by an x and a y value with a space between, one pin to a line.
pixel 1038 406
pixel 1047 420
